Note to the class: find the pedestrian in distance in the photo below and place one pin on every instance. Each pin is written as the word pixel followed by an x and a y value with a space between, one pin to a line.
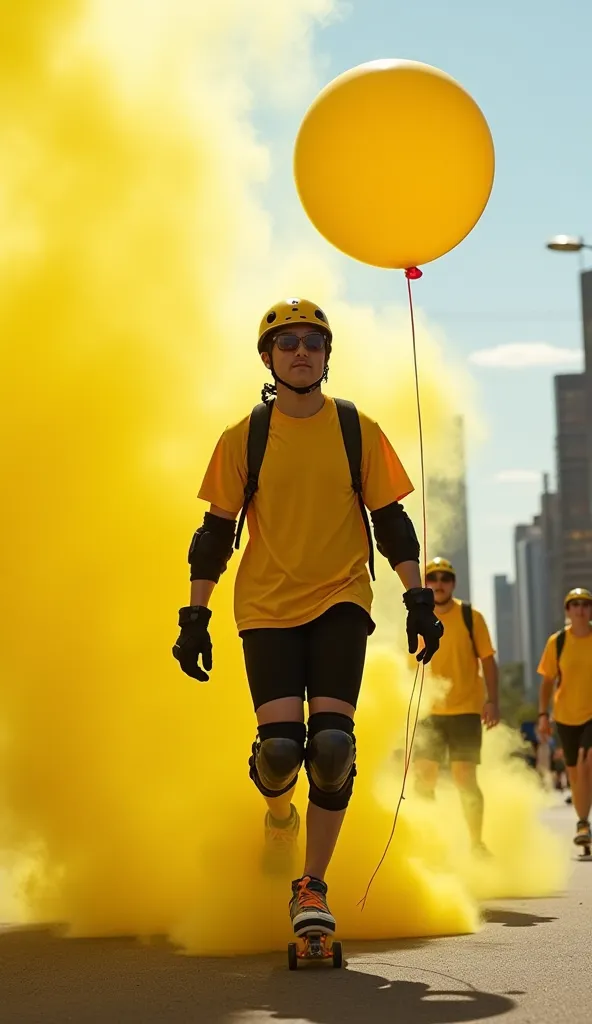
pixel 303 468
pixel 528 732
pixel 559 773
pixel 566 670
pixel 453 731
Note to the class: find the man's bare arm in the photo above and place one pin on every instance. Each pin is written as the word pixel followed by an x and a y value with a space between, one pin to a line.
pixel 491 676
pixel 409 574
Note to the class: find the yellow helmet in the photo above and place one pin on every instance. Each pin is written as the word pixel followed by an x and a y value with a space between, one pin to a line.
pixel 292 311
pixel 440 565
pixel 578 594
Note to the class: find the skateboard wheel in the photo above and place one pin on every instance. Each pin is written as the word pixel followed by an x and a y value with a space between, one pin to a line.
pixel 292 956
pixel 337 954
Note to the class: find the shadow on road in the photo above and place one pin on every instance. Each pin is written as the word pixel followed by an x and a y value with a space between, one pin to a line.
pixel 353 997
pixel 514 918
pixel 45 978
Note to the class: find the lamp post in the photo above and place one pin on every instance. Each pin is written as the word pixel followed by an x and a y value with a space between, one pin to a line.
pixel 575 243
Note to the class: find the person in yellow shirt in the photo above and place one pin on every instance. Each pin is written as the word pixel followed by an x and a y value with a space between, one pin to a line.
pixel 566 668
pixel 303 467
pixel 466 663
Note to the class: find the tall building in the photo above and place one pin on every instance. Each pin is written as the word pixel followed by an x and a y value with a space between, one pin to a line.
pixel 573 482
pixel 530 601
pixel 447 509
pixel 551 546
pixel 586 291
pixel 504 620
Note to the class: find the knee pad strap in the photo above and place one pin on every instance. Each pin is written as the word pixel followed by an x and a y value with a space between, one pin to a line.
pixel 277 756
pixel 330 760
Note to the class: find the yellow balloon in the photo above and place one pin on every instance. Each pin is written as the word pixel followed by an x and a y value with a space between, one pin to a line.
pixel 394 163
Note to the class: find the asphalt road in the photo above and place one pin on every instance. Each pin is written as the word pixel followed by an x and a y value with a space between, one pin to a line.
pixel 531 963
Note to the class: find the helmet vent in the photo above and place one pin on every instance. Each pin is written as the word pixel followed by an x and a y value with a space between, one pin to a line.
pixel 271 317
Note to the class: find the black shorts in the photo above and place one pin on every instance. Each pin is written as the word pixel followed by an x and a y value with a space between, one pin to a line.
pixel 573 737
pixel 323 658
pixel 458 736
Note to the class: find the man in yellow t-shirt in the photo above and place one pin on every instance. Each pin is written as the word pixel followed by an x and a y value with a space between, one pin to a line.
pixel 566 665
pixel 303 596
pixel 453 730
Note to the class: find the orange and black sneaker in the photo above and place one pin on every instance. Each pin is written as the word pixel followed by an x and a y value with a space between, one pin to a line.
pixel 583 836
pixel 281 841
pixel 308 907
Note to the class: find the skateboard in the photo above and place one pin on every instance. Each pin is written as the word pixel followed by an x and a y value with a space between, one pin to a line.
pixel 314 947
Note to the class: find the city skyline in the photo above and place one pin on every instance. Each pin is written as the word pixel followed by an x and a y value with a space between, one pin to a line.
pixel 553 553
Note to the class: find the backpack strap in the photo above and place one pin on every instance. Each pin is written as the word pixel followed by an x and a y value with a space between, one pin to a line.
pixel 467 614
pixel 256 445
pixel 349 421
pixel 559 645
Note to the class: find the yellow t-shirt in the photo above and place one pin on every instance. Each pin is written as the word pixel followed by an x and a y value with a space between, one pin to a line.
pixel 307 546
pixel 455 662
pixel 573 696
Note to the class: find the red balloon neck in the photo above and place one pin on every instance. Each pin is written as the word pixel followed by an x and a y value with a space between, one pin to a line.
pixel 413 273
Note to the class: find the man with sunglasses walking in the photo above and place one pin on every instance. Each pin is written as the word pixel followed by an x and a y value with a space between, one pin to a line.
pixel 566 668
pixel 465 664
pixel 302 595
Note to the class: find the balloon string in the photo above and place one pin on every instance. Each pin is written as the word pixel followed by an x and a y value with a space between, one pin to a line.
pixel 413 274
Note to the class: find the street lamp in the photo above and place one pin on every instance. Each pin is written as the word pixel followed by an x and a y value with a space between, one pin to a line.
pixel 575 243
pixel 567 243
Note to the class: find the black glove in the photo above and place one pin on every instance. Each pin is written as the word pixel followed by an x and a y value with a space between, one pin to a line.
pixel 421 621
pixel 194 640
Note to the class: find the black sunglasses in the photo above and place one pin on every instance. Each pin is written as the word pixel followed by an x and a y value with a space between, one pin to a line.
pixel 440 577
pixel 313 342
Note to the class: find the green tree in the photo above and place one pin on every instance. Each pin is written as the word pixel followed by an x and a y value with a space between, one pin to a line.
pixel 514 708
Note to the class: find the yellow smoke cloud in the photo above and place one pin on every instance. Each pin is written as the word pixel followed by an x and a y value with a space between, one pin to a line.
pixel 135 258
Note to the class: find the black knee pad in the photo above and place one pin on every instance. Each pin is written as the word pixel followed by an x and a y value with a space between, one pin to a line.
pixel 277 756
pixel 330 760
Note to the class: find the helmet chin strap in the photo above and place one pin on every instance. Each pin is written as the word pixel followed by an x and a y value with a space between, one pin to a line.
pixel 269 390
pixel 299 391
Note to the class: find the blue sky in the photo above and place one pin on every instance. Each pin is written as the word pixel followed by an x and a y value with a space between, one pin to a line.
pixel 525 63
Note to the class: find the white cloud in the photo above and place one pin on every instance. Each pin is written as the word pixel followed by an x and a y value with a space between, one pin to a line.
pixel 525 354
pixel 518 476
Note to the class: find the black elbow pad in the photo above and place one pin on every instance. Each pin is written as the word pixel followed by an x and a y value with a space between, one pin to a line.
pixel 211 547
pixel 395 534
